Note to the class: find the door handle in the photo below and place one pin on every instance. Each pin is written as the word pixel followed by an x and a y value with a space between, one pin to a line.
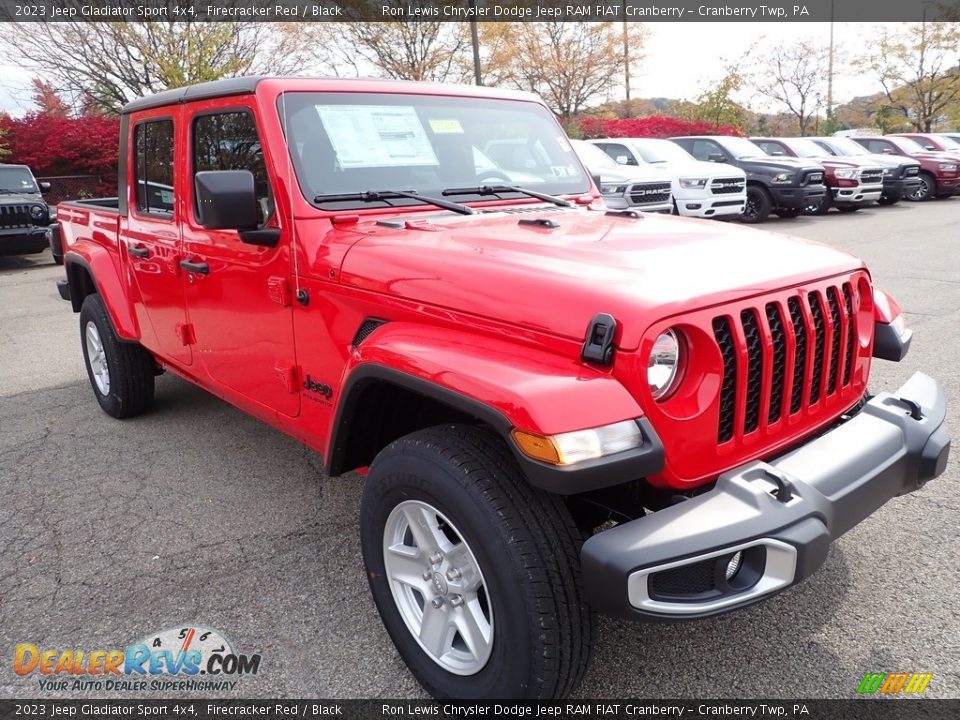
pixel 195 267
pixel 139 251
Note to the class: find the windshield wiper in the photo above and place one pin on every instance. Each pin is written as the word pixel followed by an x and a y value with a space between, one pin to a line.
pixel 500 189
pixel 384 195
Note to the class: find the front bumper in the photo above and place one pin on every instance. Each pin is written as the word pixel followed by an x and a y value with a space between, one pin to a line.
pixel 706 204
pixel 780 516
pixel 23 240
pixel 896 188
pixel 857 195
pixel 797 198
pixel 624 202
pixel 948 186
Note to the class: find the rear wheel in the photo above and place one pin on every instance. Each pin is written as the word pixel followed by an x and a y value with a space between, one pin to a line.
pixel 121 373
pixel 758 206
pixel 474 572
pixel 926 189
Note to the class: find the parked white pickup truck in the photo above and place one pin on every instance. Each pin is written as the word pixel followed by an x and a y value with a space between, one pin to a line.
pixel 700 189
pixel 624 187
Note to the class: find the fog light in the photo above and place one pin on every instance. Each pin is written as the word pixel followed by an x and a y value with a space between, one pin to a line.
pixel 734 565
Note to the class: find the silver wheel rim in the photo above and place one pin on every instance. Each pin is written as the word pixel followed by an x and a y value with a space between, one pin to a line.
pixel 438 587
pixel 97 359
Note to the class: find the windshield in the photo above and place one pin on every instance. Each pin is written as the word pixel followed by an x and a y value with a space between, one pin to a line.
pixel 805 148
pixel 17 179
pixel 948 143
pixel 846 146
pixel 594 157
pixel 907 145
pixel 661 151
pixel 741 147
pixel 343 143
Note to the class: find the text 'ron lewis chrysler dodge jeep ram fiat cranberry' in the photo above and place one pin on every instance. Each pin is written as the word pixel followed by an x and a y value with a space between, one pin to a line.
pixel 563 409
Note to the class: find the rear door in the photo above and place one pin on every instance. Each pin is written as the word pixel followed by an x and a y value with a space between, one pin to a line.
pixel 239 304
pixel 150 237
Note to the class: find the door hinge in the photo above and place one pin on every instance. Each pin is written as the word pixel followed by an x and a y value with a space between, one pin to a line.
pixel 290 377
pixel 279 289
pixel 186 334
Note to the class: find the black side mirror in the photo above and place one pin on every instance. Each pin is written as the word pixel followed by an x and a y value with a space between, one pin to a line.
pixel 226 199
pixel 716 157
pixel 44 186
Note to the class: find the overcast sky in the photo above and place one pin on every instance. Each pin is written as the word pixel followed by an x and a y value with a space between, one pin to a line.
pixel 681 58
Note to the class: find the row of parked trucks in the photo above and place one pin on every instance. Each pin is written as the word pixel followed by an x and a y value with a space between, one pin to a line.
pixel 728 177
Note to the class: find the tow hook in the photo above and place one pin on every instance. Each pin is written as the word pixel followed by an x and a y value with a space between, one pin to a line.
pixel 785 489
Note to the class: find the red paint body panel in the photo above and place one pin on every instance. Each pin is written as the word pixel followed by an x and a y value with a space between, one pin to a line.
pixel 479 305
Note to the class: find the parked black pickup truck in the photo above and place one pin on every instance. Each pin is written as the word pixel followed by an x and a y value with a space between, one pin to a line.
pixel 901 175
pixel 24 216
pixel 785 186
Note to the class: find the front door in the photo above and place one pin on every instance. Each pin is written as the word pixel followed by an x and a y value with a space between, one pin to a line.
pixel 150 237
pixel 238 295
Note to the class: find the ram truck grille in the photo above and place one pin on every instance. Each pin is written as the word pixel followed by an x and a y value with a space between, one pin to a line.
pixel 814 177
pixel 726 186
pixel 645 193
pixel 805 346
pixel 871 177
pixel 911 171
pixel 15 216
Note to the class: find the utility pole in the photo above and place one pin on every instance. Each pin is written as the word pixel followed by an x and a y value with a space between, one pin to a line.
pixel 626 66
pixel 475 40
pixel 830 68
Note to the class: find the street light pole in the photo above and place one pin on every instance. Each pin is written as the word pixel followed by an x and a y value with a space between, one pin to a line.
pixel 475 40
pixel 830 68
pixel 626 67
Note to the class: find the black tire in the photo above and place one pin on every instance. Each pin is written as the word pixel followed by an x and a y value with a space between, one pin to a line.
pixel 888 201
pixel 524 542
pixel 789 213
pixel 848 208
pixel 130 368
pixel 758 206
pixel 58 260
pixel 927 189
pixel 822 207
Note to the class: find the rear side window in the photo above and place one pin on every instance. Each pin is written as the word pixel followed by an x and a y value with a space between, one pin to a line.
pixel 620 154
pixel 771 148
pixel 703 149
pixel 229 141
pixel 153 166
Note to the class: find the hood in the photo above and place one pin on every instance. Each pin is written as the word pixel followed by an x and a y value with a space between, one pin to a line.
pixel 555 280
pixel 21 199
pixel 631 173
pixel 845 161
pixel 786 163
pixel 884 161
pixel 937 156
pixel 699 168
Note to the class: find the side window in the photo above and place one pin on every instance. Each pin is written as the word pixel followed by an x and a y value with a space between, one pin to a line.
pixel 703 149
pixel 879 147
pixel 153 166
pixel 620 153
pixel 772 148
pixel 229 141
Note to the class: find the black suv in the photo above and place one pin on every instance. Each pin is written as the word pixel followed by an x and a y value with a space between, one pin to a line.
pixel 784 186
pixel 24 215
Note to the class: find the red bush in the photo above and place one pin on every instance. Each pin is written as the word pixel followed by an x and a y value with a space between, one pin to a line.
pixel 55 145
pixel 653 126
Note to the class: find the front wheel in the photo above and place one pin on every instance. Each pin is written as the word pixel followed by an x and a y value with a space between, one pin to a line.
pixel 758 206
pixel 474 572
pixel 925 190
pixel 121 373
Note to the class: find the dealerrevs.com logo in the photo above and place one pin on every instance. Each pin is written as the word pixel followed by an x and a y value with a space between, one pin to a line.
pixel 179 659
pixel 894 683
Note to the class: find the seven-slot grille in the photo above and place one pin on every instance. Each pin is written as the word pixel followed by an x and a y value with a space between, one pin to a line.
pixel 15 216
pixel 871 176
pixel 644 193
pixel 775 340
pixel 726 186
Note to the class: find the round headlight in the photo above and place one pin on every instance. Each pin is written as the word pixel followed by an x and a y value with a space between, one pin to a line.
pixel 663 364
pixel 37 211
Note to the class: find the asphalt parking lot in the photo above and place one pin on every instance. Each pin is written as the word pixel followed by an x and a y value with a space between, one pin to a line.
pixel 198 514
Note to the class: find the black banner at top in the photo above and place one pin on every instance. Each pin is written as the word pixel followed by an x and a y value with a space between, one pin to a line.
pixel 479 10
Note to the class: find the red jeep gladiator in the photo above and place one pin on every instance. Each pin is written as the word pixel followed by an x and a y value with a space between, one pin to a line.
pixel 563 410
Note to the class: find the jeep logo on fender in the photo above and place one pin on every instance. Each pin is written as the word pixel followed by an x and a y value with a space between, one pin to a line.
pixel 311 385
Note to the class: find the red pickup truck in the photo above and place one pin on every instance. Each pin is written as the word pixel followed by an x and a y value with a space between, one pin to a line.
pixel 561 409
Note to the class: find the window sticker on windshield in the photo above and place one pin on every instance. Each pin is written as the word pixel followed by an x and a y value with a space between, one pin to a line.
pixel 563 171
pixel 368 136
pixel 446 127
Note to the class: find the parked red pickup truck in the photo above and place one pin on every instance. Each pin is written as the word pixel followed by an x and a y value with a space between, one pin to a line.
pixel 563 409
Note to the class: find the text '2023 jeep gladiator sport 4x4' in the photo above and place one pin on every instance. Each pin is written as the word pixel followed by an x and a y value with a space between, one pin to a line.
pixel 563 409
